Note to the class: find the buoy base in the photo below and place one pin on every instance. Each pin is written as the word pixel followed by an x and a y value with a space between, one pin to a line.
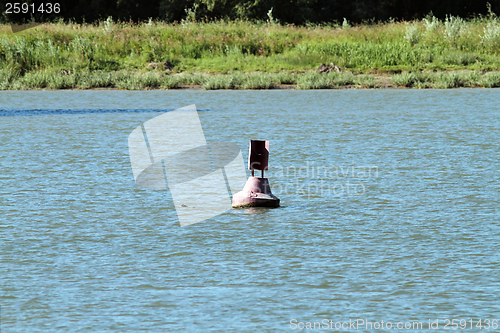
pixel 256 193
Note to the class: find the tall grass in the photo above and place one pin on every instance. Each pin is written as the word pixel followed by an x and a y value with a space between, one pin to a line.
pixel 311 80
pixel 447 80
pixel 245 46
pixel 252 55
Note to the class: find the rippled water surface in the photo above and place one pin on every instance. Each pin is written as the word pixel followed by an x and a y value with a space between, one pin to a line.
pixel 390 211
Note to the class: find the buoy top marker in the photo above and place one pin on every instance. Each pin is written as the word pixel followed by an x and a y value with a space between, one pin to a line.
pixel 258 156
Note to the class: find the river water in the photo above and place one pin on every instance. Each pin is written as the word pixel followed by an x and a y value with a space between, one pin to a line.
pixel 390 212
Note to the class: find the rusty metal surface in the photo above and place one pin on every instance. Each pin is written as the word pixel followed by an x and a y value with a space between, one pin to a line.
pixel 258 155
pixel 256 193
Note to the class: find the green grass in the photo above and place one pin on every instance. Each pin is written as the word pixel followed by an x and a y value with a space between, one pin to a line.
pixel 126 80
pixel 447 80
pixel 251 55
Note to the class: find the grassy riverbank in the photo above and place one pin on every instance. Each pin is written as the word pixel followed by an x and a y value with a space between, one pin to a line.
pixel 309 80
pixel 245 55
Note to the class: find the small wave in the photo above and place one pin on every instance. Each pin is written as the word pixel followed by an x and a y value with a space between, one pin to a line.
pixel 40 112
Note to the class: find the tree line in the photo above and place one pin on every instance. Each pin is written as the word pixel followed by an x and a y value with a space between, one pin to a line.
pixel 283 11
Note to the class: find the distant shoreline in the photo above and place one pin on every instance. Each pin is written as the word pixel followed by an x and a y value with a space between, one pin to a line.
pixel 310 80
pixel 427 53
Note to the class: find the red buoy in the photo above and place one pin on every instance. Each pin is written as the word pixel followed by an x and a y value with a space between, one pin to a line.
pixel 257 192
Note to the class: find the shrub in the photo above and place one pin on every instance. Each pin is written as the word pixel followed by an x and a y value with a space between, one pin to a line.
pixel 491 35
pixel 431 24
pixel 412 34
pixel 454 27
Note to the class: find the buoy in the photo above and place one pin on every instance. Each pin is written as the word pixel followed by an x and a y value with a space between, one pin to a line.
pixel 257 191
